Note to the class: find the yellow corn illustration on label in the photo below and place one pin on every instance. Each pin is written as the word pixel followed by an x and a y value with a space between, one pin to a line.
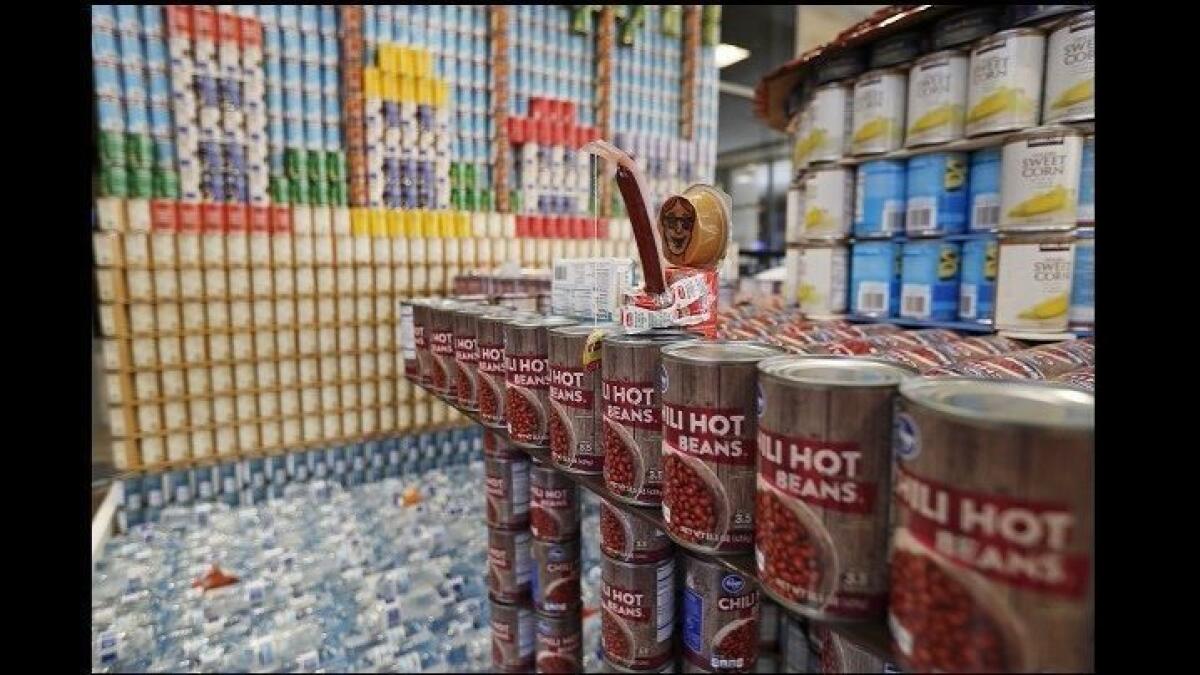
pixel 808 293
pixel 1003 99
pixel 1076 93
pixel 937 117
pixel 1050 308
pixel 814 217
pixel 871 130
pixel 1043 203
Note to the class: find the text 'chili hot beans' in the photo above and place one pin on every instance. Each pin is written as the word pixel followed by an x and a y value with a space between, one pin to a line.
pixel 466 354
pixel 709 421
pixel 440 335
pixel 527 378
pixel 637 620
pixel 632 428
pixel 575 397
pixel 992 555
pixel 490 374
pixel 824 475
pixel 720 617
pixel 553 504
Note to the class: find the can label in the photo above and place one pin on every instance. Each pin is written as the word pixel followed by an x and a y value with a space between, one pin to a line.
pixel 466 357
pixel 937 99
pixel 879 199
pixel 559 644
pixel 554 505
pixel 720 618
pixel 507 491
pixel 556 575
pixel 879 100
pixel 930 275
pixel 976 293
pixel 527 380
pixel 828 203
pixel 936 194
pixel 491 375
pixel 823 277
pixel 1041 183
pixel 632 469
pixel 510 570
pixel 1083 284
pixel 823 134
pixel 1071 71
pixel 875 278
pixel 1033 286
pixel 637 613
pixel 985 190
pixel 630 539
pixel 1005 87
pixel 512 637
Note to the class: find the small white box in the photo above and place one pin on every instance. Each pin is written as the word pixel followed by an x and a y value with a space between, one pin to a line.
pixel 137 249
pixel 139 285
pixel 200 411
pixel 264 344
pixel 281 249
pixel 151 450
pixel 243 346
pixel 400 250
pixel 381 279
pixel 343 250
pixel 166 284
pixel 218 347
pixel 304 249
pixel 145 352
pixel 385 336
pixel 306 342
pixel 322 250
pixel 197 382
pixel 108 319
pixel 177 447
pixel 370 421
pixel 108 249
pixel 145 386
pixel 302 219
pixel 271 434
pixel 344 281
pixel 289 402
pixel 173 382
pixel 222 379
pixel 306 311
pixel 366 337
pixel 264 313
pixel 407 416
pixel 285 312
pixel 244 376
pixel 310 400
pixel 387 419
pixel 217 312
pixel 401 279
pixel 246 410
pixel 450 251
pixel 381 251
pixel 292 432
pixel 226 441
pixel 326 280
pixel 215 284
pixel 188 249
pixel 168 317
pixel 417 252
pixel 366 366
pixel 466 253
pixel 268 404
pixel 435 251
pixel 326 310
pixel 331 425
pixel 361 254
pixel 327 340
pixel 329 369
pixel 113 388
pixel 341 220
pixel 262 282
pixel 418 280
pixel 237 249
pixel 110 214
pixel 350 423
pixel 247 435
pixel 106 288
pixel 239 314
pixel 260 248
pixel 202 443
pixel 116 421
pixel 349 394
pixel 195 349
pixel 436 280
pixel 287 373
pixel 239 282
pixel 364 280
pixel 364 309
pixel 268 376
pixel 213 249
pixel 149 418
pixel 329 397
pixel 385 364
pixel 193 316
pixel 284 281
pixel 312 428
pixel 175 415
pixel 191 284
pixel 285 343
pixel 387 392
pixel 310 372
pixel 347 366
pixel 170 351
pixel 385 309
pixel 322 220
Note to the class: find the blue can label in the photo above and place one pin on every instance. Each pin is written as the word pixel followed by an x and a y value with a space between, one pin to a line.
pixel 985 190
pixel 879 199
pixel 936 194
pixel 1086 212
pixel 977 292
pixel 874 278
pixel 693 620
pixel 1083 283
pixel 930 280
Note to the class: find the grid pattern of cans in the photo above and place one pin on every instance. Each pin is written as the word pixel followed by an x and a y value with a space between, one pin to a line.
pixel 253 481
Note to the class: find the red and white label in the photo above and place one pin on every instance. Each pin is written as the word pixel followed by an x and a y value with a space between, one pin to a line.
pixel 527 370
pixel 464 350
pixel 718 435
pixel 633 404
pixel 419 337
pixel 566 387
pixel 826 474
pixel 491 359
pixel 551 499
pixel 625 603
pixel 441 343
pixel 1013 541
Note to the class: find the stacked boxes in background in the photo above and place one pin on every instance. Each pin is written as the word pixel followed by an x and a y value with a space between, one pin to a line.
pixel 272 180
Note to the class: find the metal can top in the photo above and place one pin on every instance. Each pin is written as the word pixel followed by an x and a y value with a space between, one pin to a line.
pixel 1004 35
pixel 965 26
pixel 846 63
pixel 1019 15
pixel 939 54
pixel 1019 237
pixel 877 72
pixel 652 336
pixel 538 321
pixel 1080 18
pixel 586 329
pixel 834 371
pixel 896 49
pixel 1048 131
pixel 995 402
pixel 416 301
pixel 721 351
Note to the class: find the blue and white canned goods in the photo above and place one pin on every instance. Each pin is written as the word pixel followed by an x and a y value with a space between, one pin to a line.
pixel 936 194
pixel 1082 312
pixel 879 203
pixel 875 278
pixel 1086 212
pixel 929 280
pixel 977 289
pixel 984 190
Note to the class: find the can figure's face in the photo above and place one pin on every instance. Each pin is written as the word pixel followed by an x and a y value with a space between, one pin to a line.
pixel 677 220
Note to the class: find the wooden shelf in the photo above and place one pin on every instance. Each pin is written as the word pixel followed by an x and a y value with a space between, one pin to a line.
pixel 873 637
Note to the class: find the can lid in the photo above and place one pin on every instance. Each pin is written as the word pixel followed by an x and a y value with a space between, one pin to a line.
pixel 966 26
pixel 1030 404
pixel 835 371
pixel 896 49
pixel 586 329
pixel 1020 15
pixel 736 351
pixel 1002 36
pixel 1048 131
pixel 652 336
pixel 538 321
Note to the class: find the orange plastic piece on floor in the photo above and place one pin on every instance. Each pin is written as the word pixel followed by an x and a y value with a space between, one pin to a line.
pixel 214 578
pixel 412 496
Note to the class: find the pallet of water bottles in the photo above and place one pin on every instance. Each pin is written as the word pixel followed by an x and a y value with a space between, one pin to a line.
pixel 928 351
pixel 249 481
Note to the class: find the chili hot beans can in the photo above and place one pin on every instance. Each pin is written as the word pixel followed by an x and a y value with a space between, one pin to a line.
pixel 411 337
pixel 490 372
pixel 440 336
pixel 496 446
pixel 637 620
pixel 720 617
pixel 559 643
pixel 527 377
pixel 509 569
pixel 629 539
pixel 553 503
pixel 709 422
pixel 507 490
pixel 824 475
pixel 632 430
pixel 466 354
pixel 556 572
pixel 992 555
pixel 575 397
pixel 512 637
pixel 420 315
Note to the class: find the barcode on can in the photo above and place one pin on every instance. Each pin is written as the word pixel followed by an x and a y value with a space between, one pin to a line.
pixel 985 212
pixel 920 218
pixel 914 301
pixel 872 297
pixel 893 219
pixel 966 302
